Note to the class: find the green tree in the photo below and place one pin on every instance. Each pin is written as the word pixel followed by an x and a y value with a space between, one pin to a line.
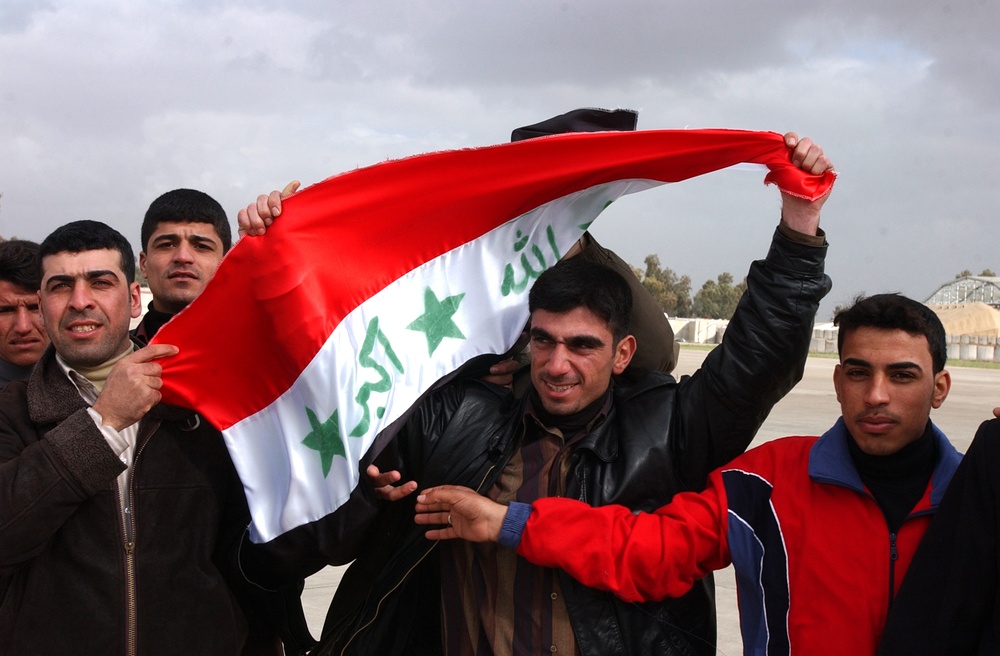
pixel 963 274
pixel 671 291
pixel 988 273
pixel 717 299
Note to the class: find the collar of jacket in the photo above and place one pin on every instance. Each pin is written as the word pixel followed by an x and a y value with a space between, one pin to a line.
pixel 52 397
pixel 830 461
pixel 602 441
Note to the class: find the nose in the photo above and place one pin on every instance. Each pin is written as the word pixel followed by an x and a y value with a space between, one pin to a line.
pixel 184 252
pixel 81 297
pixel 878 391
pixel 25 320
pixel 558 362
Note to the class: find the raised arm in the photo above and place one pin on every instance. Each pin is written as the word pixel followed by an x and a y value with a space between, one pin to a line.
pixel 765 346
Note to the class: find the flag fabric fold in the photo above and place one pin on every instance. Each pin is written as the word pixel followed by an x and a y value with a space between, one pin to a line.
pixel 376 283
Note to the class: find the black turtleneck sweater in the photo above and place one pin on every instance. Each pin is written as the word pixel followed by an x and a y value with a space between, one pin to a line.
pixel 898 480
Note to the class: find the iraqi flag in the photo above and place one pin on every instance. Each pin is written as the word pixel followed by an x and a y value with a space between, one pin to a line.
pixel 374 284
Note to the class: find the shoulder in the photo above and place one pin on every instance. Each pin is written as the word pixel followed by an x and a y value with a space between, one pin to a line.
pixel 778 453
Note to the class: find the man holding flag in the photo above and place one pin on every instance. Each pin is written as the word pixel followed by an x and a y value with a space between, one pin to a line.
pixel 574 434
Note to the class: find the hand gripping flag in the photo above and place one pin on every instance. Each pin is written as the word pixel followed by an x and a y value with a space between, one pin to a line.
pixel 376 283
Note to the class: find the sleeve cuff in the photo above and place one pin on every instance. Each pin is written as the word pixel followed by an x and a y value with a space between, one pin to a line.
pixel 118 442
pixel 819 239
pixel 513 524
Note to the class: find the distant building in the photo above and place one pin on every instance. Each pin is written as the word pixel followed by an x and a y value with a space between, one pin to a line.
pixel 971 289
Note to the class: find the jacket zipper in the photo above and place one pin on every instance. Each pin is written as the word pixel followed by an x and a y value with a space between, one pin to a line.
pixel 893 556
pixel 129 527
pixel 391 590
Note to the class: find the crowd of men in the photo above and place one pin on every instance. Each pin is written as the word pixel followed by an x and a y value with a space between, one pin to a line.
pixel 577 507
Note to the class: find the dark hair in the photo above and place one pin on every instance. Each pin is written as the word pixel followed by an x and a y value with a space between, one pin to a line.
pixel 19 263
pixel 574 282
pixel 80 236
pixel 895 312
pixel 187 206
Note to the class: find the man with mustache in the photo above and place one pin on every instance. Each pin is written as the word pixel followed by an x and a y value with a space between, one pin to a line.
pixel 575 433
pixel 22 336
pixel 119 515
pixel 820 530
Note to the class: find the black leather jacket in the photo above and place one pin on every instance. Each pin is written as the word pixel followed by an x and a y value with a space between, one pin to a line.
pixel 660 437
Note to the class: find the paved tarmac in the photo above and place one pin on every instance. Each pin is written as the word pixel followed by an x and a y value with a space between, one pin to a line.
pixel 809 409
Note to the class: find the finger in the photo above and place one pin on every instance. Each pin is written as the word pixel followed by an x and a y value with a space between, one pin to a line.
pixel 153 351
pixel 422 507
pixel 441 534
pixel 390 493
pixel 290 188
pixel 274 204
pixel 440 518
pixel 791 138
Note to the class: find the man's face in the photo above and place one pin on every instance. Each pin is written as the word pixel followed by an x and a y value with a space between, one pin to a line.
pixel 22 336
pixel 179 260
pixel 886 388
pixel 573 355
pixel 86 304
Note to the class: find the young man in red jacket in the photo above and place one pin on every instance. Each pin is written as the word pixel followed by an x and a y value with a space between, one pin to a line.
pixel 820 530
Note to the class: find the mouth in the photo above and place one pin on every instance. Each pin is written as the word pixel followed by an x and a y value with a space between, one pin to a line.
pixel 877 425
pixel 558 389
pixel 82 328
pixel 182 275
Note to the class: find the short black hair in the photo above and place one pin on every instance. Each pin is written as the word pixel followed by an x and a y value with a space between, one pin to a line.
pixel 575 282
pixel 186 206
pixel 895 312
pixel 19 264
pixel 80 236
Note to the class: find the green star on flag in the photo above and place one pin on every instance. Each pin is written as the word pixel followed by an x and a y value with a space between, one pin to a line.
pixel 325 438
pixel 436 322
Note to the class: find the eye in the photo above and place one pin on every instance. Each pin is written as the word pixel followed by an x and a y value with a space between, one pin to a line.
pixel 540 341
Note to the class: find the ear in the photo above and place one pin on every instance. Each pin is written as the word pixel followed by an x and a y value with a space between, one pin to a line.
pixel 142 263
pixel 836 381
pixel 624 351
pixel 135 300
pixel 942 383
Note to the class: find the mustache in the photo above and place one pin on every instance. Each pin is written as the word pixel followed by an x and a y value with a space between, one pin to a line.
pixel 877 413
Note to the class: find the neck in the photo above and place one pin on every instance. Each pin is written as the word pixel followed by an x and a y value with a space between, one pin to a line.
pixel 567 424
pixel 98 375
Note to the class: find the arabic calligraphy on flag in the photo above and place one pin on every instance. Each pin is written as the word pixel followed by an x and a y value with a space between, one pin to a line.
pixel 375 284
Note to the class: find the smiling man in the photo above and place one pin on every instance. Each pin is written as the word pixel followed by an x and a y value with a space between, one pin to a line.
pixel 820 530
pixel 119 515
pixel 575 433
pixel 22 336
pixel 185 234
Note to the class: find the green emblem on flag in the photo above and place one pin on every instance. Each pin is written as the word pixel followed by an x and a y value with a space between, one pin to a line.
pixel 436 322
pixel 384 383
pixel 326 439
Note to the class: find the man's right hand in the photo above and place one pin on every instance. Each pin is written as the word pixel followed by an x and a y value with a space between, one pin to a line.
pixel 254 219
pixel 132 387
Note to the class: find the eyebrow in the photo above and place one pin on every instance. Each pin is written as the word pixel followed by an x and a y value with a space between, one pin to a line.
pixel 893 366
pixel 87 275
pixel 173 236
pixel 573 341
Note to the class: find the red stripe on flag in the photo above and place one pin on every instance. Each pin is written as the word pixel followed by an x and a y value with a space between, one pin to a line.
pixel 276 299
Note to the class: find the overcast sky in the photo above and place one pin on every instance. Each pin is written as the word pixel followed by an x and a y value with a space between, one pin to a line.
pixel 106 104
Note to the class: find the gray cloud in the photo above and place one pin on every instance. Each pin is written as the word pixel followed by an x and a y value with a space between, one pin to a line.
pixel 105 104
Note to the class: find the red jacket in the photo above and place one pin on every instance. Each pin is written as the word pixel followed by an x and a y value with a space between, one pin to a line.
pixel 815 564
